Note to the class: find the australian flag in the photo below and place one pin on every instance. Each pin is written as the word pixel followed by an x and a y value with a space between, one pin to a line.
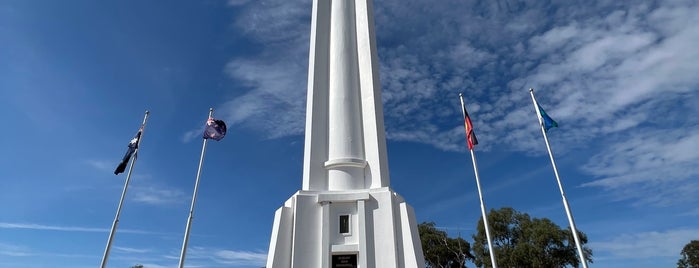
pixel 133 145
pixel 215 129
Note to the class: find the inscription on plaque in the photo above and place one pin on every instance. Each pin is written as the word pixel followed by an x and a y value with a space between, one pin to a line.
pixel 344 261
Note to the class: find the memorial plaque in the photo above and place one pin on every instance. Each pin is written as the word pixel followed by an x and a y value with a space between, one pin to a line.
pixel 344 261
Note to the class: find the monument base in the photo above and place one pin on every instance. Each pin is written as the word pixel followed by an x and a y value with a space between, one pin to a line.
pixel 362 228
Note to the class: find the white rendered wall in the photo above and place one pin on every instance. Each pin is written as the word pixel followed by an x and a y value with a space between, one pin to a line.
pixel 383 230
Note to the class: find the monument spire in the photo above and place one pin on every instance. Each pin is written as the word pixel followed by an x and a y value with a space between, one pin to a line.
pixel 345 214
pixel 345 140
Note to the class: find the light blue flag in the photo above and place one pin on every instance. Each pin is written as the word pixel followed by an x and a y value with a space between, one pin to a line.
pixel 548 122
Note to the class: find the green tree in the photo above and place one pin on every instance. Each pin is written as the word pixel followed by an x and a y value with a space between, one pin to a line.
pixel 690 255
pixel 520 241
pixel 440 250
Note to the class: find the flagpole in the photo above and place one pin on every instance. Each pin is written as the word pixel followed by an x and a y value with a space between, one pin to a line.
pixel 485 218
pixel 480 194
pixel 581 255
pixel 194 199
pixel 123 194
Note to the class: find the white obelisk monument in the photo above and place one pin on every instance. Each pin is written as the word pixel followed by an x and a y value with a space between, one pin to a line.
pixel 345 215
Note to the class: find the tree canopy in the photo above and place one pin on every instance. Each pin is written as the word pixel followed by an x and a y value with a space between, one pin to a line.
pixel 522 241
pixel 690 255
pixel 440 250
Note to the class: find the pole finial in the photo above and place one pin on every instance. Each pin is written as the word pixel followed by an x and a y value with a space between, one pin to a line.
pixel 531 89
pixel 211 112
pixel 147 112
pixel 461 94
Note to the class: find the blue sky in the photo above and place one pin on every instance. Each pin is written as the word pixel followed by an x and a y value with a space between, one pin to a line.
pixel 76 76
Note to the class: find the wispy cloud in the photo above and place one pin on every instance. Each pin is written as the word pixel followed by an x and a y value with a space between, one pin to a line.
pixel 32 226
pixel 276 77
pixel 201 255
pixel 659 172
pixel 691 212
pixel 276 88
pixel 102 165
pixel 41 227
pixel 158 195
pixel 14 250
pixel 233 257
pixel 667 243
pixel 192 134
pixel 237 2
pixel 131 250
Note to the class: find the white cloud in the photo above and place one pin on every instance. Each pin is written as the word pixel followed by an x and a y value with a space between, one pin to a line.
pixel 14 250
pixel 192 134
pixel 276 22
pixel 658 171
pixel 667 243
pixel 617 63
pixel 692 212
pixel 157 195
pixel 131 250
pixel 226 257
pixel 101 164
pixel 276 103
pixel 238 2
pixel 241 257
pixel 276 79
pixel 34 226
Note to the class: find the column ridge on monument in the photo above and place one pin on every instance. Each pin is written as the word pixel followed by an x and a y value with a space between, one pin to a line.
pixel 346 214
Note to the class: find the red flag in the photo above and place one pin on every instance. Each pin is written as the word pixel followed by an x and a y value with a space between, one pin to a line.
pixel 470 135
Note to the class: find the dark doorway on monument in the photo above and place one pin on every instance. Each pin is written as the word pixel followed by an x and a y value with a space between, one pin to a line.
pixel 344 261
